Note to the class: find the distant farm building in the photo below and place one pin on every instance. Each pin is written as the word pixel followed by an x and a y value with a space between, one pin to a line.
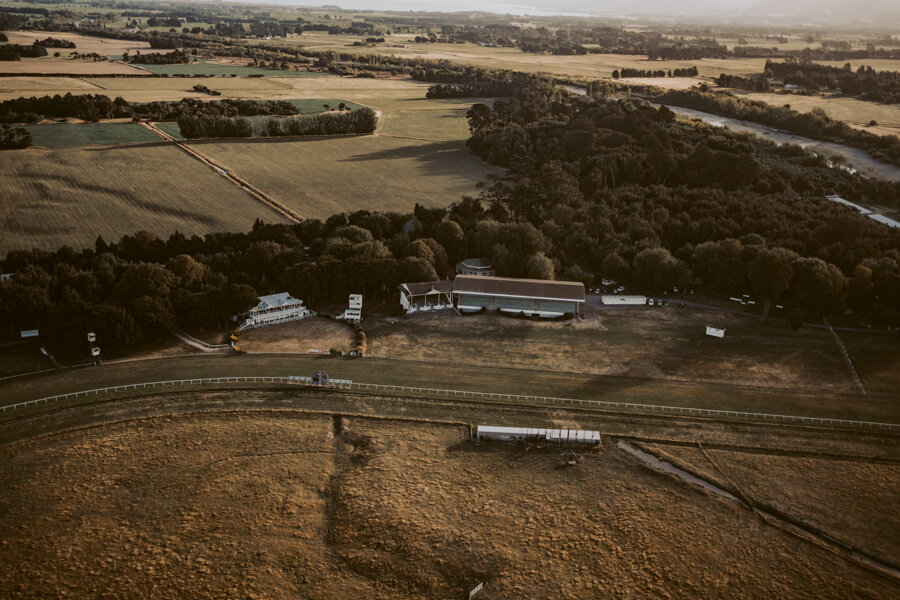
pixel 475 266
pixel 530 434
pixel 274 309
pixel 473 293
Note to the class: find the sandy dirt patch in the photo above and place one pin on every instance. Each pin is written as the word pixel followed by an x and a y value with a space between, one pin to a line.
pixel 313 334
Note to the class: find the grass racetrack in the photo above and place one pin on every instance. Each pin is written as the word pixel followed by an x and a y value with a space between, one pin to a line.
pixel 49 198
pixel 462 377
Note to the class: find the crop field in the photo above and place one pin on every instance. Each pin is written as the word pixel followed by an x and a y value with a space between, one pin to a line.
pixel 665 343
pixel 274 505
pixel 69 196
pixel 59 66
pixel 67 135
pixel 84 44
pixel 320 177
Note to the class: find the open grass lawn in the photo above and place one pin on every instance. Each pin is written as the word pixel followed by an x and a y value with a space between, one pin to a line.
pixel 67 135
pixel 665 343
pixel 270 505
pixel 320 177
pixel 22 357
pixel 84 44
pixel 66 66
pixel 69 196
pixel 852 111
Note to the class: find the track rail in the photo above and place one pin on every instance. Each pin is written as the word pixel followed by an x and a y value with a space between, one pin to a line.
pixel 436 393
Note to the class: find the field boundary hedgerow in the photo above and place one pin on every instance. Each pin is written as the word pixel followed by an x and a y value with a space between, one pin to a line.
pixel 448 393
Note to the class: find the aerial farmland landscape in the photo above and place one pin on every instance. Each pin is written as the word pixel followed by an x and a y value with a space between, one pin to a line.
pixel 406 299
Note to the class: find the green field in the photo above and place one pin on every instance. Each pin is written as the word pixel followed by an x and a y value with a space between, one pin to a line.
pixel 68 196
pixel 324 176
pixel 67 135
pixel 212 69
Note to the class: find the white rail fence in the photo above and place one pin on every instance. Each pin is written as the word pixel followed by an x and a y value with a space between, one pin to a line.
pixel 452 394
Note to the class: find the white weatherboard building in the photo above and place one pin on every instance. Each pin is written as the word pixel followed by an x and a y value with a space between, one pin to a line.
pixel 274 309
pixel 353 314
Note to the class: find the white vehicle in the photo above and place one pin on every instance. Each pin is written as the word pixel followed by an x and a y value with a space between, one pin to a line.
pixel 650 302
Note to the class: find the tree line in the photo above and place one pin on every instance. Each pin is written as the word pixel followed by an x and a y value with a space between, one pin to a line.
pixel 869 84
pixel 359 121
pixel 686 72
pixel 93 107
pixel 815 124
pixel 158 58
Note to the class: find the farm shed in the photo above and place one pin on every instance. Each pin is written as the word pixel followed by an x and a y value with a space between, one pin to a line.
pixel 472 293
pixel 475 266
pixel 536 297
pixel 526 434
pixel 274 309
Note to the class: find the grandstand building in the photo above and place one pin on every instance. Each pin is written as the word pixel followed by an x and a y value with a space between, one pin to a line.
pixel 474 293
pixel 274 309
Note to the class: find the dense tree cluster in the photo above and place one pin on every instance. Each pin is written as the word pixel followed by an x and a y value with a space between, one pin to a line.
pixel 158 58
pixel 55 43
pixel 14 138
pixel 627 191
pixel 686 72
pixel 881 86
pixel 93 107
pixel 758 83
pixel 815 124
pixel 10 52
pixel 360 121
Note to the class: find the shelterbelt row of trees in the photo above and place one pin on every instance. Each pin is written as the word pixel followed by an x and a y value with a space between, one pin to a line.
pixel 815 124
pixel 94 107
pixel 359 121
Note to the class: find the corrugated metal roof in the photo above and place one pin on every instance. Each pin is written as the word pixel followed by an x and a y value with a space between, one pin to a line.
pixel 276 301
pixel 555 435
pixel 519 288
pixel 474 263
pixel 444 286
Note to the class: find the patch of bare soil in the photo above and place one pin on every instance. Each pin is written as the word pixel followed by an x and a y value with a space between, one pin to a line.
pixel 309 335
pixel 277 506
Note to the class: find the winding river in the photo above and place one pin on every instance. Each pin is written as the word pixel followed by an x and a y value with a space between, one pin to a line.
pixel 857 159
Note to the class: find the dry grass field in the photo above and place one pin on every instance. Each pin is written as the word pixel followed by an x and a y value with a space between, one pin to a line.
pixel 314 334
pixel 268 505
pixel 852 111
pixel 815 490
pixel 664 343
pixel 321 177
pixel 66 66
pixel 84 44
pixel 69 196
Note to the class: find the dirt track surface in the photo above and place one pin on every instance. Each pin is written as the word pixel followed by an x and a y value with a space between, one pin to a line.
pixel 269 506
